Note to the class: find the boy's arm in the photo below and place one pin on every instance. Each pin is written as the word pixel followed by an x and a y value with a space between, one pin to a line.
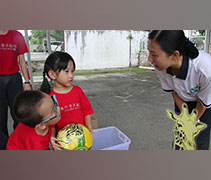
pixel 88 122
pixel 53 140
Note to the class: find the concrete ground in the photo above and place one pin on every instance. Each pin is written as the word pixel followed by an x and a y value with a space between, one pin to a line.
pixel 134 103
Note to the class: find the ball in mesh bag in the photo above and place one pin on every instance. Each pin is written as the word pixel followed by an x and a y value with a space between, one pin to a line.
pixel 75 137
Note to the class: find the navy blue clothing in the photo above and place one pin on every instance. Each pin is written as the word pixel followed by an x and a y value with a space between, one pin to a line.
pixel 10 87
pixel 203 140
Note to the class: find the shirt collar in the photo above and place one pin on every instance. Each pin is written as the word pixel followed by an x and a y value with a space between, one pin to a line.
pixel 183 71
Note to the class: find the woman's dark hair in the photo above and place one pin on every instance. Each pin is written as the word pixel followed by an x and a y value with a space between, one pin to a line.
pixel 56 62
pixel 174 40
pixel 26 106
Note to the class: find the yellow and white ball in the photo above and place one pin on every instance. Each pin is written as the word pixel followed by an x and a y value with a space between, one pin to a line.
pixel 75 137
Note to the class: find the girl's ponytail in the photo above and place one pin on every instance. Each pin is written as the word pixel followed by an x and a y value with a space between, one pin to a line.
pixel 45 86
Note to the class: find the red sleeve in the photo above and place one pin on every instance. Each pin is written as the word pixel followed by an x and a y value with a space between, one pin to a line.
pixel 21 44
pixel 11 146
pixel 86 105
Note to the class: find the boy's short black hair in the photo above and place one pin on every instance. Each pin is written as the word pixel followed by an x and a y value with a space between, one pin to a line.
pixel 26 107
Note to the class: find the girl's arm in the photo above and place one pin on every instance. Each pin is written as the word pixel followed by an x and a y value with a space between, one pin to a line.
pixel 24 70
pixel 53 140
pixel 88 122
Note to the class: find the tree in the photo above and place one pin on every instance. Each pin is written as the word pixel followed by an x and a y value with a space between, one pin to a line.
pixel 130 37
pixel 37 36
pixel 202 32
pixel 58 34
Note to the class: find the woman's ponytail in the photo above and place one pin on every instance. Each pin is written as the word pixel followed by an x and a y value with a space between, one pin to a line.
pixel 191 49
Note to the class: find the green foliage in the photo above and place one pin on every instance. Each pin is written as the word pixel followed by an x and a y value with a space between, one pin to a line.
pixel 130 37
pixel 141 49
pixel 59 35
pixel 202 32
pixel 37 36
pixel 112 71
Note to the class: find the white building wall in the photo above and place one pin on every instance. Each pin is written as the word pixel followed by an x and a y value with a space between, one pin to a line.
pixel 94 49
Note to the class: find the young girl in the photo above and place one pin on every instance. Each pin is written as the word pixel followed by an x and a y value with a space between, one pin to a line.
pixel 185 72
pixel 75 106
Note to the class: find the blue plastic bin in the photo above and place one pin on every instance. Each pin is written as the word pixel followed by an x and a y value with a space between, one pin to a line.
pixel 110 138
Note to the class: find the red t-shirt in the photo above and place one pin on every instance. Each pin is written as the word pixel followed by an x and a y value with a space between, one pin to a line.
pixel 12 45
pixel 74 106
pixel 26 138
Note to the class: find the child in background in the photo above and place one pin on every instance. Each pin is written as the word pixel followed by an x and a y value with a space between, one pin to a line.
pixel 36 111
pixel 75 106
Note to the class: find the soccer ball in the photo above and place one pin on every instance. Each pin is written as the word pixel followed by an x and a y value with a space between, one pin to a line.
pixel 75 137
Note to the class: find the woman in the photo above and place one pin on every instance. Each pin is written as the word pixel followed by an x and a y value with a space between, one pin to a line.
pixel 185 72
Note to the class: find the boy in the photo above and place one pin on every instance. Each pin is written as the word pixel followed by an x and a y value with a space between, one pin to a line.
pixel 36 112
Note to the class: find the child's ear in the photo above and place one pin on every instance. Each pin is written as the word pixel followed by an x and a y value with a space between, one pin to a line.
pixel 40 126
pixel 52 74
